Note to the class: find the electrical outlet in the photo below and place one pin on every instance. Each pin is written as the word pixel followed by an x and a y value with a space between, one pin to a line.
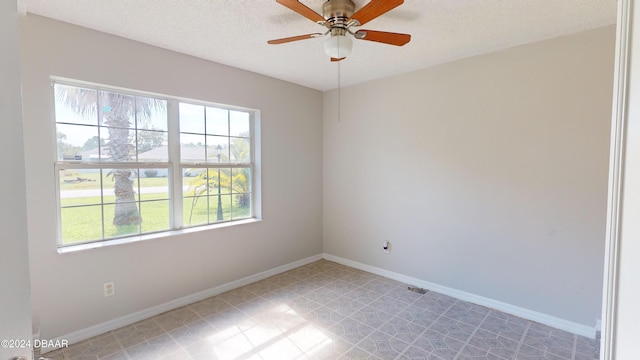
pixel 109 288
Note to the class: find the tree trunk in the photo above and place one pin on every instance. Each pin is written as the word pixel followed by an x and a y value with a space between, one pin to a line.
pixel 126 209
pixel 120 110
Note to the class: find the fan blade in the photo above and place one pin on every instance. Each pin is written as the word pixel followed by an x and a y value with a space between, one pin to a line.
pixel 374 9
pixel 301 9
pixel 337 59
pixel 293 38
pixel 383 37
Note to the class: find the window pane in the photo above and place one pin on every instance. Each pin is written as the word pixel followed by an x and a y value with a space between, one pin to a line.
pixel 151 113
pixel 222 202
pixel 241 180
pixel 217 121
pixel 226 182
pixel 81 224
pixel 155 215
pixel 240 150
pixel 189 176
pixel 77 142
pixel 120 185
pixel 103 151
pixel 195 182
pixel 75 105
pixel 154 184
pixel 218 145
pixel 118 144
pixel 221 176
pixel 117 110
pixel 192 148
pixel 152 146
pixel 80 187
pixel 195 211
pixel 121 219
pixel 191 118
pixel 241 206
pixel 239 123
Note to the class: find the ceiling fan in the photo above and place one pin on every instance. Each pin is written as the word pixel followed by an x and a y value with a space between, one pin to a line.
pixel 339 17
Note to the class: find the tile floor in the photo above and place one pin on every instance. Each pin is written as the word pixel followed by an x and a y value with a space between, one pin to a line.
pixel 329 311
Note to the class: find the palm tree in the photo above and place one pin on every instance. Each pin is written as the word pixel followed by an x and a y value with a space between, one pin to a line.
pixel 119 113
pixel 237 180
pixel 207 181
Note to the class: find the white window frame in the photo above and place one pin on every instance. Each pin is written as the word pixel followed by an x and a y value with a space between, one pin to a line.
pixel 174 167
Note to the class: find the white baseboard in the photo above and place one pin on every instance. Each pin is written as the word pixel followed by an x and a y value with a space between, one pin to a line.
pixel 122 321
pixel 545 319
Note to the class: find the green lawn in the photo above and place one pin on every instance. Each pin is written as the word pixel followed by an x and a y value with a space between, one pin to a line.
pixel 83 223
pixel 82 217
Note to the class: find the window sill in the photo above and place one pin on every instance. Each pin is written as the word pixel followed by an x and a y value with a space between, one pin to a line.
pixel 139 238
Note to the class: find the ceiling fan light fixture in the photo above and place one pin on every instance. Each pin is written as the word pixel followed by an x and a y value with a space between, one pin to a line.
pixel 338 46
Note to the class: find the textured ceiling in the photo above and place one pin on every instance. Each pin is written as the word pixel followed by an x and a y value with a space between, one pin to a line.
pixel 235 32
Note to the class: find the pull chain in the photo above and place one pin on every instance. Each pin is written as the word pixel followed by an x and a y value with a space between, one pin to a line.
pixel 339 93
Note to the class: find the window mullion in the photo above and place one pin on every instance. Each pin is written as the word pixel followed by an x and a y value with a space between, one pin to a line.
pixel 174 161
pixel 256 166
pixel 59 208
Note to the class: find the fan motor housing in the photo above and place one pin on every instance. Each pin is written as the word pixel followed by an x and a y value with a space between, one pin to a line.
pixel 338 10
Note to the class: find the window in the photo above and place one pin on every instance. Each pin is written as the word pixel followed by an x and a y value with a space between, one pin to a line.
pixel 131 163
pixel 215 155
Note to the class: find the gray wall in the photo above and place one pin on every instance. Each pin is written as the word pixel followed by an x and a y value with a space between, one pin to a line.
pixel 15 304
pixel 488 175
pixel 67 288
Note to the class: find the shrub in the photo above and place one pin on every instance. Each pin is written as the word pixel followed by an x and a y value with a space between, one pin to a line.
pixel 151 173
